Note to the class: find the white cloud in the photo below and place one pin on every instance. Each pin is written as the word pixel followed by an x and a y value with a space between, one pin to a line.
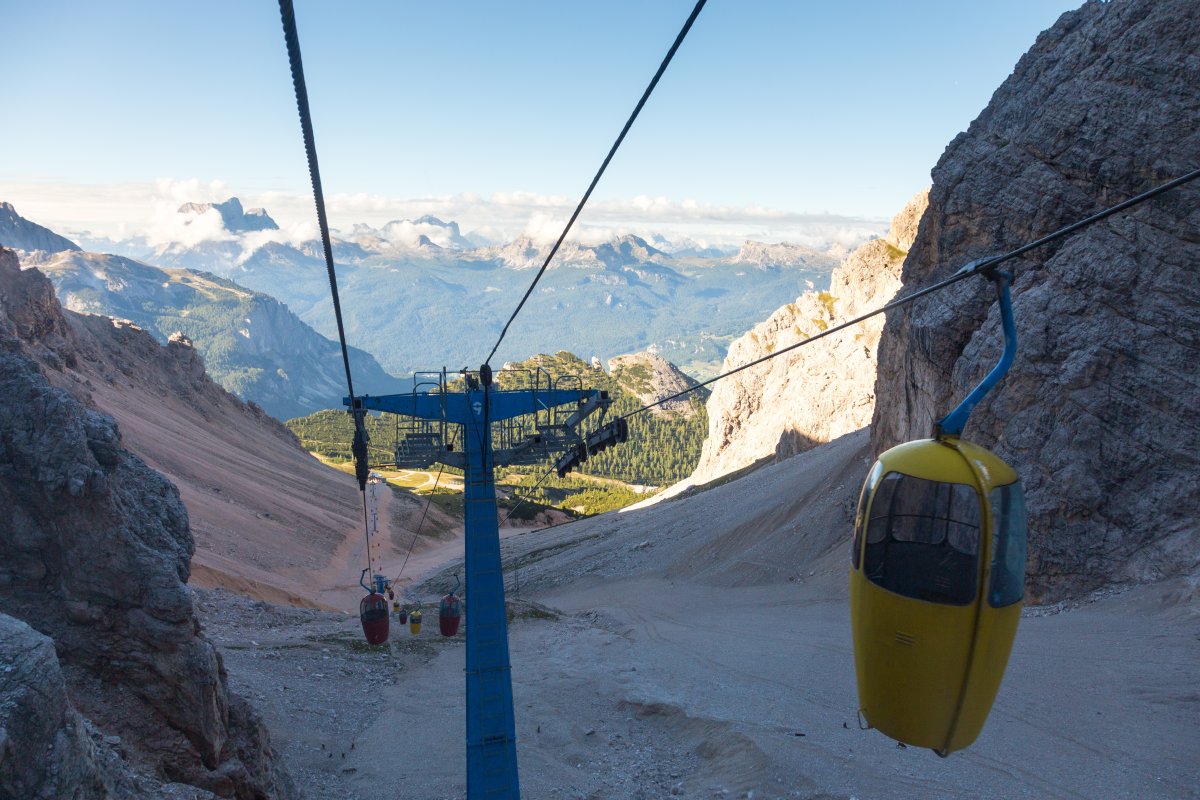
pixel 148 209
pixel 167 225
pixel 408 233
pixel 191 191
pixel 294 234
pixel 544 228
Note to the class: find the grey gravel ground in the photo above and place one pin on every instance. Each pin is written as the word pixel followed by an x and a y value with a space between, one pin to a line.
pixel 701 649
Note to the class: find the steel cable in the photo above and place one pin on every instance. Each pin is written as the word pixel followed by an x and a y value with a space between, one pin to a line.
pixel 292 38
pixel 288 16
pixel 687 26
pixel 421 524
pixel 971 270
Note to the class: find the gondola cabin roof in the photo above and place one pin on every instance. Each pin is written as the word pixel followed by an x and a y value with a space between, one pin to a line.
pixel 949 460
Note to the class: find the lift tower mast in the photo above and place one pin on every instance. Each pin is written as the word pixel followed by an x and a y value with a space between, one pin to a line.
pixel 491 728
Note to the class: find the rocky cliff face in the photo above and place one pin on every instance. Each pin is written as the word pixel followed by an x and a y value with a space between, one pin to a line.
pixel 815 393
pixel 95 555
pixel 650 377
pixel 1099 411
pixel 233 216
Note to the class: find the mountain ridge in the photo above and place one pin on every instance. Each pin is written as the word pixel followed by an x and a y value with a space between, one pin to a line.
pixel 621 295
pixel 96 558
pixel 18 233
pixel 252 344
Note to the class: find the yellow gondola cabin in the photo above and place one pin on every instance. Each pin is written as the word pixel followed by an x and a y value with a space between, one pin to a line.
pixel 937 579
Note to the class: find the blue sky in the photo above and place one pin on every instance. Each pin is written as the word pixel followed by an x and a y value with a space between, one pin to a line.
pixel 781 110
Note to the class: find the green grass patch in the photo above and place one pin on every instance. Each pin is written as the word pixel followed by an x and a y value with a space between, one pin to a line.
pixel 827 300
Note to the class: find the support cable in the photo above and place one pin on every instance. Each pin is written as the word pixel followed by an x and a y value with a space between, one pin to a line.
pixel 513 510
pixel 527 496
pixel 421 524
pixel 367 536
pixel 687 26
pixel 978 267
pixel 359 446
pixel 288 14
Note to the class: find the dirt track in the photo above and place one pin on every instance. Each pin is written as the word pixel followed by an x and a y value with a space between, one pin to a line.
pixel 701 649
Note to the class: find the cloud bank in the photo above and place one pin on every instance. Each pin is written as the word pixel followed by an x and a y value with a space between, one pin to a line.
pixel 149 210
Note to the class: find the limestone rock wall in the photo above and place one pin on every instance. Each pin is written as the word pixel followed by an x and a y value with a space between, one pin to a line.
pixel 1099 413
pixel 94 554
pixel 818 392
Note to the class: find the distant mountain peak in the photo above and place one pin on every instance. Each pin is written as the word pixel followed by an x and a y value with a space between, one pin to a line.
pixel 424 232
pixel 782 254
pixel 621 251
pixel 632 244
pixel 235 218
pixel 21 234
pixel 429 219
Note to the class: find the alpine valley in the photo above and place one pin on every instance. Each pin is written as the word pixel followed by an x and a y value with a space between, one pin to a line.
pixel 421 294
pixel 252 344
pixel 181 582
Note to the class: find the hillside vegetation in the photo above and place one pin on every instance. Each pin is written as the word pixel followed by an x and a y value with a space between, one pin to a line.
pixel 662 448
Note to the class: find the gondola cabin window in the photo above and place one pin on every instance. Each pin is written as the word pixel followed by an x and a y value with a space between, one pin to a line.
pixel 1007 584
pixel 923 539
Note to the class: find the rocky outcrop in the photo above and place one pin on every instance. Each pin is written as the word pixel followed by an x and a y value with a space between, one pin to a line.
pixel 18 233
pixel 95 555
pixel 1099 411
pixel 650 378
pixel 815 393
pixel 233 216
pixel 782 254
pixel 47 749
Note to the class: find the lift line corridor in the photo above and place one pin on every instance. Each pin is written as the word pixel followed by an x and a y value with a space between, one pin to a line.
pixel 481 407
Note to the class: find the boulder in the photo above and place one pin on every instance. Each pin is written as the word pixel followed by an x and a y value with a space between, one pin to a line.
pixel 45 748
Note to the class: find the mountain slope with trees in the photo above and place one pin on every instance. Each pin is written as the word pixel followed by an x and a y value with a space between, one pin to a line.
pixel 663 447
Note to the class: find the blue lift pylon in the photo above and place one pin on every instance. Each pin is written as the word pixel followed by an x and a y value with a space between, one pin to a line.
pixel 491 726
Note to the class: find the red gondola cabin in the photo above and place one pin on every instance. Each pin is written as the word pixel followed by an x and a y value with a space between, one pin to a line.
pixel 373 611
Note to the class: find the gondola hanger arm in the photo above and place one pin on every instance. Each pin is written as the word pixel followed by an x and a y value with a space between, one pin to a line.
pixel 953 423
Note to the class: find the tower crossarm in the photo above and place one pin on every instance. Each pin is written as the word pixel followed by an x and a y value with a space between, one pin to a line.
pixel 468 407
